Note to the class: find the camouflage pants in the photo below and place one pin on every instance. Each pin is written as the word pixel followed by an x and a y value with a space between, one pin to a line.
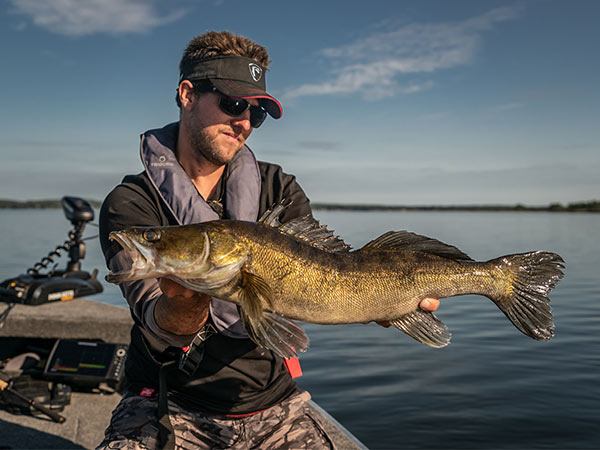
pixel 287 425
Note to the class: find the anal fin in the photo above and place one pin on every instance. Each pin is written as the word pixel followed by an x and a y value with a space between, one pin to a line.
pixel 424 327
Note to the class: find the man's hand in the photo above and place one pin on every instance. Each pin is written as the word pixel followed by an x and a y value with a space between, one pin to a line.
pixel 427 304
pixel 174 290
pixel 181 310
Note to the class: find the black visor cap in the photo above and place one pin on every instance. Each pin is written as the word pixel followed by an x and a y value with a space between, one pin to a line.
pixel 235 76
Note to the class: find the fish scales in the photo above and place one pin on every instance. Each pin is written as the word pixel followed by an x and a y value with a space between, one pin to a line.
pixel 301 271
pixel 313 285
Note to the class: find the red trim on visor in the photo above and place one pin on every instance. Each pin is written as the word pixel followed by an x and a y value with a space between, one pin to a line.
pixel 239 89
pixel 265 97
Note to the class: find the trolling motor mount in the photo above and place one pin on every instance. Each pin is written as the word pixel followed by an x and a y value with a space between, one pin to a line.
pixel 36 288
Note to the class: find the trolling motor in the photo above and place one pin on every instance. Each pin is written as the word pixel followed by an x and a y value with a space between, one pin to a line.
pixel 36 288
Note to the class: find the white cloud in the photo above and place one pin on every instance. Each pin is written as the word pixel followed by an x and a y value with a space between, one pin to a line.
pixel 375 63
pixel 83 17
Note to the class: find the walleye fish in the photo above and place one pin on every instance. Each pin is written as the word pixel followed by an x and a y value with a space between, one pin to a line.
pixel 300 270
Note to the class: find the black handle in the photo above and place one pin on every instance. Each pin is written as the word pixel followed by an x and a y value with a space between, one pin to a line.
pixel 54 416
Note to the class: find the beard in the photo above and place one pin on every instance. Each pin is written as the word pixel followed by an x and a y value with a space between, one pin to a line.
pixel 204 146
pixel 205 149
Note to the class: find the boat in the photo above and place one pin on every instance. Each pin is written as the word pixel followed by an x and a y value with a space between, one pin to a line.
pixel 50 315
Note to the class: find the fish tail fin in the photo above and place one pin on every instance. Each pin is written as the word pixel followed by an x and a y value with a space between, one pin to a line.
pixel 525 301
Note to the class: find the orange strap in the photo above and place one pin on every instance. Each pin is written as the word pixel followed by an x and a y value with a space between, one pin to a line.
pixel 293 367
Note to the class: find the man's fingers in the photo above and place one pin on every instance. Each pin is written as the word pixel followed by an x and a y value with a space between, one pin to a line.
pixel 172 289
pixel 429 304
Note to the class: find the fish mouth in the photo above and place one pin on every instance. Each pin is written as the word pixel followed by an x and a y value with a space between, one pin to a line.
pixel 142 260
pixel 145 262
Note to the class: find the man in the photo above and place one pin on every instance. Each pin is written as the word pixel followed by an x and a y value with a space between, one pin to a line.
pixel 194 378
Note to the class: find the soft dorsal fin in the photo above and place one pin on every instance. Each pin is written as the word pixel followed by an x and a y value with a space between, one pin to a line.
pixel 305 228
pixel 405 240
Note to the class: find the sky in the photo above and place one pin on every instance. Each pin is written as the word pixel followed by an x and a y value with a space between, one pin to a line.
pixel 385 102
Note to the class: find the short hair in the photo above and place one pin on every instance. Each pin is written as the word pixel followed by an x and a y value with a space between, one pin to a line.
pixel 221 43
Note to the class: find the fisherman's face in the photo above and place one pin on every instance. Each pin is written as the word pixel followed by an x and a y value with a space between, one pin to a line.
pixel 214 135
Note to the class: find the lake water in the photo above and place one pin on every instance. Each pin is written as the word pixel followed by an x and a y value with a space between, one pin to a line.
pixel 491 388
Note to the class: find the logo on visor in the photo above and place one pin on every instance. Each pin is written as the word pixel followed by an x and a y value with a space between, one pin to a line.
pixel 255 71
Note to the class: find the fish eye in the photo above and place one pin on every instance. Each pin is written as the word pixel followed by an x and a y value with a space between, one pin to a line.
pixel 151 235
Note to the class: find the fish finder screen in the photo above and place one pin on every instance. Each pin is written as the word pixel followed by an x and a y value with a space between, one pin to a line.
pixel 81 358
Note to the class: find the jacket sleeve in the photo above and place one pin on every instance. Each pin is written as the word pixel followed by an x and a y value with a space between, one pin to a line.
pixel 127 206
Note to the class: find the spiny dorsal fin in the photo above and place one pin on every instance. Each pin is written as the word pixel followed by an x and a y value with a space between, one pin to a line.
pixel 305 228
pixel 271 216
pixel 308 229
pixel 405 240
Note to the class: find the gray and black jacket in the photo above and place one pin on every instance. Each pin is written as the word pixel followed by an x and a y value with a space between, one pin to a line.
pixel 234 376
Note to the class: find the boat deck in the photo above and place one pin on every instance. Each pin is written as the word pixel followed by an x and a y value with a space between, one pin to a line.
pixel 88 414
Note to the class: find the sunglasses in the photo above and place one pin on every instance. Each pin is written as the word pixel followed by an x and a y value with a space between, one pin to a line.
pixel 237 106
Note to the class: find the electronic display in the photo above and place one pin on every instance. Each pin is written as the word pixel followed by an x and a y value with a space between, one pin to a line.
pixel 86 362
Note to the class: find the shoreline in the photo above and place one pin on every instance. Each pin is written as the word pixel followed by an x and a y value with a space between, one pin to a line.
pixel 592 206
pixel 578 207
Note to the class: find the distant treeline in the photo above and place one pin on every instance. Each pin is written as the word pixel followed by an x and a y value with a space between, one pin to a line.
pixel 591 206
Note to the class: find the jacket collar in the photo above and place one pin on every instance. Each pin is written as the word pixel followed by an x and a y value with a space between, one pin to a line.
pixel 175 187
pixel 242 196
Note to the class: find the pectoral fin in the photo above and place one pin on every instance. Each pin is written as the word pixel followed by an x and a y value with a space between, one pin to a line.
pixel 276 333
pixel 266 329
pixel 424 327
